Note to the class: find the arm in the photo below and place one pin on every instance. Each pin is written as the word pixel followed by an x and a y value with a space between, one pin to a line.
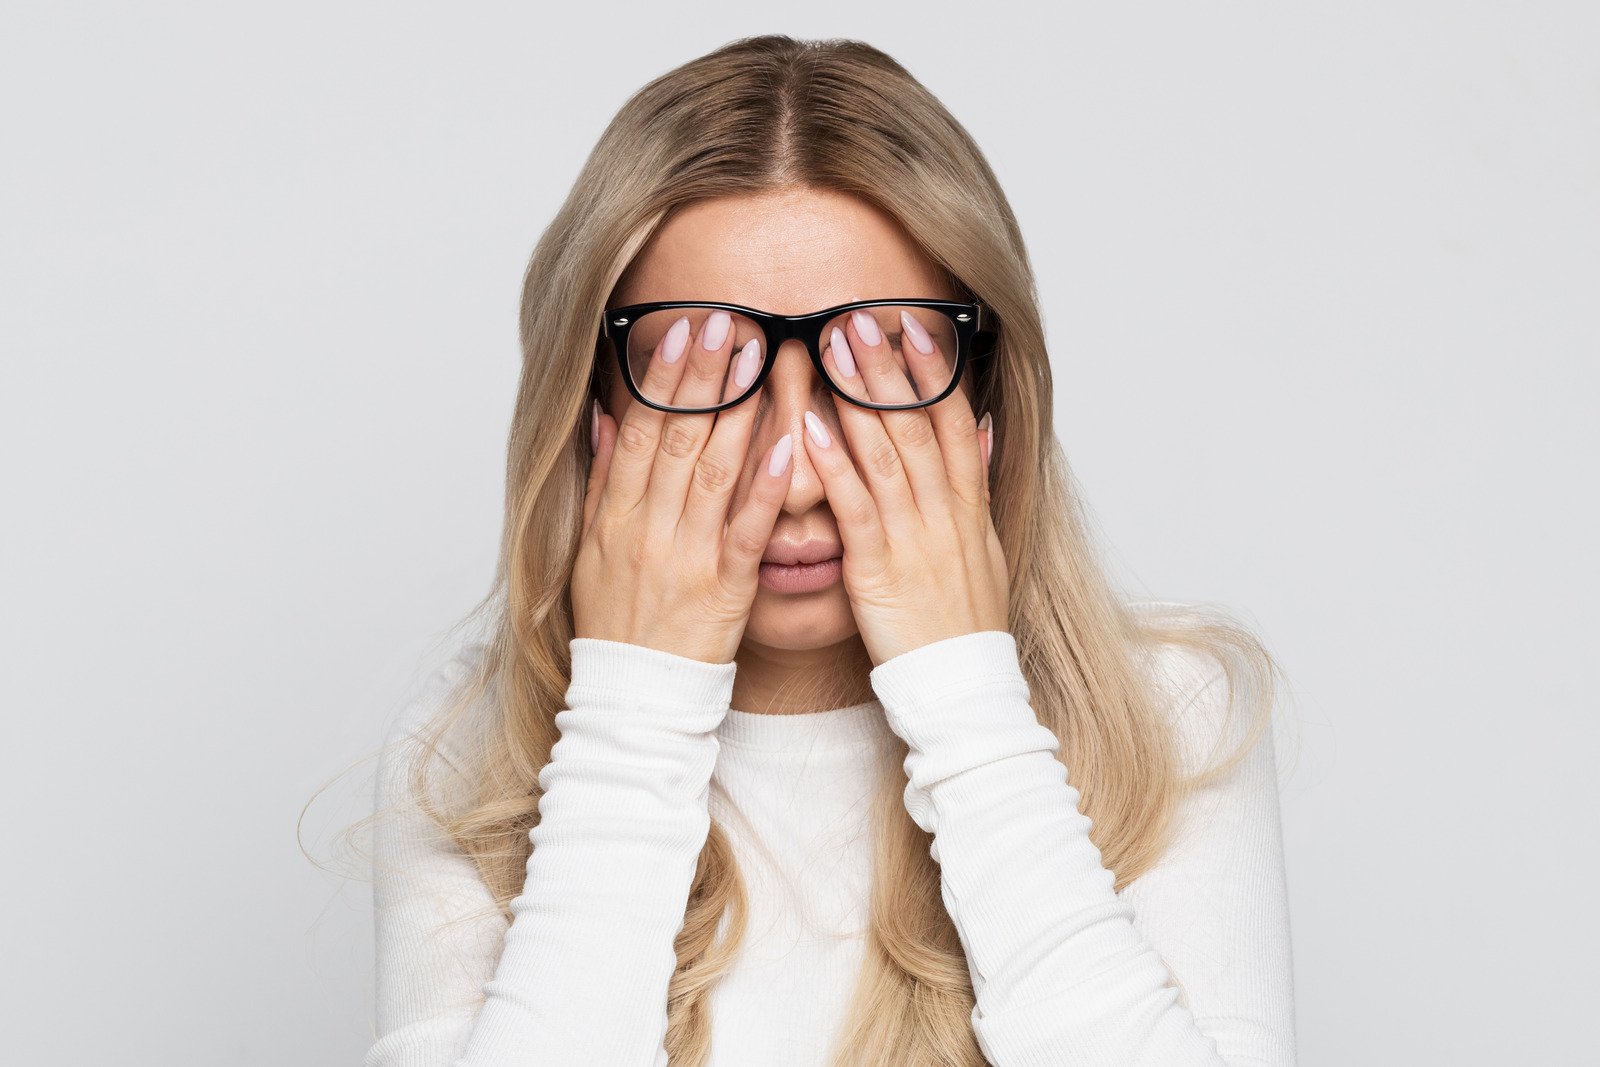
pixel 1065 970
pixel 580 975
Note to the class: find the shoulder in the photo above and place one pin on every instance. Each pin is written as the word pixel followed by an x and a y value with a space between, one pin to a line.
pixel 1204 699
pixel 1178 672
pixel 437 679
pixel 433 690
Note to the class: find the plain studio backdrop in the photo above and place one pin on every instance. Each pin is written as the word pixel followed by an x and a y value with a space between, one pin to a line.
pixel 1320 284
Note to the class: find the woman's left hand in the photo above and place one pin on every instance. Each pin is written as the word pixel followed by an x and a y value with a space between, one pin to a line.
pixel 922 561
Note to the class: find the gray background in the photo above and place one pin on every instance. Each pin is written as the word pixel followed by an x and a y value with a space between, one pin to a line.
pixel 1320 285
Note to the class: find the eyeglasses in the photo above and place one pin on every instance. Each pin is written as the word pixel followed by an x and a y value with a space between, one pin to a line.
pixel 928 341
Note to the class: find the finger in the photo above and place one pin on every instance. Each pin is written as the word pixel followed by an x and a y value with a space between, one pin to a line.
pixel 639 432
pixel 606 438
pixel 939 442
pixel 954 424
pixel 861 527
pixel 882 464
pixel 684 436
pixel 748 535
pixel 706 510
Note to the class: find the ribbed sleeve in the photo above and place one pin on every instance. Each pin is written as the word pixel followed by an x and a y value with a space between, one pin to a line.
pixel 582 977
pixel 1062 972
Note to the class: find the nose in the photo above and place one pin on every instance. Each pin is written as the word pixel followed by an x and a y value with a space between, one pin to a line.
pixel 792 386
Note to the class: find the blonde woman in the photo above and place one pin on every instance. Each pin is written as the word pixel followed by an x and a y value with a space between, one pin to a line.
pixel 805 727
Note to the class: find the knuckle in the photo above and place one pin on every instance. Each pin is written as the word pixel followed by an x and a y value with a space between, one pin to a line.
pixel 678 440
pixel 888 371
pixel 713 476
pixel 747 543
pixel 635 439
pixel 919 432
pixel 710 369
pixel 883 459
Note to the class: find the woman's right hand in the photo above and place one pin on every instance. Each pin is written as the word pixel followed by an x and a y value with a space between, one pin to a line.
pixel 661 563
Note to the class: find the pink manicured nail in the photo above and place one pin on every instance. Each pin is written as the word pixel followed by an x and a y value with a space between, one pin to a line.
pixel 819 432
pixel 594 426
pixel 780 455
pixel 918 335
pixel 867 327
pixel 842 358
pixel 677 340
pixel 715 331
pixel 744 371
pixel 986 424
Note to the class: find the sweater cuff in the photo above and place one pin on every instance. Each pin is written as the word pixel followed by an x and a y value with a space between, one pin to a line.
pixel 958 703
pixel 638 675
pixel 947 667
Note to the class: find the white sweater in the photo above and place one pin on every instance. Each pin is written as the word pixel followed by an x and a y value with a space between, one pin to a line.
pixel 1065 969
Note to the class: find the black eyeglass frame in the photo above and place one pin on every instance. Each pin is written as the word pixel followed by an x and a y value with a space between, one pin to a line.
pixel 974 340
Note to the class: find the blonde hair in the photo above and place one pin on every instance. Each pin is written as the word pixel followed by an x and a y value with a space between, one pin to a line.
pixel 757 114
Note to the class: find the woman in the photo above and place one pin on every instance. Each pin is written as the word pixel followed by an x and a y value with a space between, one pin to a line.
pixel 807 728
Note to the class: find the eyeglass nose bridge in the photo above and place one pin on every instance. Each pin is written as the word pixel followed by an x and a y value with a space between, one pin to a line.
pixel 781 329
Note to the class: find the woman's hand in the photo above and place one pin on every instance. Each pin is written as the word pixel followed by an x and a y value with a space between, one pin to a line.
pixel 922 560
pixel 655 566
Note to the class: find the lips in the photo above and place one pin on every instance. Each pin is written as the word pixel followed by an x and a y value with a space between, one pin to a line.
pixel 790 553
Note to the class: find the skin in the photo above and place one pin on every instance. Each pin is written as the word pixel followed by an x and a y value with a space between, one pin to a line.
pixel 921 560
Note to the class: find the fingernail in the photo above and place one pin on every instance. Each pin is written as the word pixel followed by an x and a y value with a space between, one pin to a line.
pixel 744 371
pixel 715 331
pixel 819 433
pixel 677 340
pixel 780 455
pixel 986 424
pixel 594 426
pixel 867 327
pixel 842 358
pixel 918 335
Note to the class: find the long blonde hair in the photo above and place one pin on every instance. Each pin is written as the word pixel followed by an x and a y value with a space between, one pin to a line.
pixel 759 113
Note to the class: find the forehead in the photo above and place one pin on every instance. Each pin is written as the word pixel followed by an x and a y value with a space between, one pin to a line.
pixel 788 251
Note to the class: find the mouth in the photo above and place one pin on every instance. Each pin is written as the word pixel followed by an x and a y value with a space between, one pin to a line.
pixel 807 577
pixel 790 565
pixel 816 550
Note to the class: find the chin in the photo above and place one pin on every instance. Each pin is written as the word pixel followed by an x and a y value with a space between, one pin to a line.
pixel 801 622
